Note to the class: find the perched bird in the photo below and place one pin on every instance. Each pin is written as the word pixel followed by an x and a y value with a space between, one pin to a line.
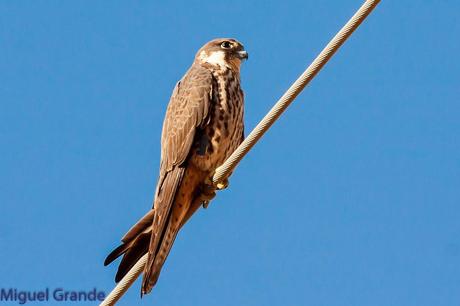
pixel 202 127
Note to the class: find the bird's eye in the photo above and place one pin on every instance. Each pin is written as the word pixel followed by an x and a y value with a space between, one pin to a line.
pixel 226 45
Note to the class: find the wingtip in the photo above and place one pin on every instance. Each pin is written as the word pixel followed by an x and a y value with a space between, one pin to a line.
pixel 145 291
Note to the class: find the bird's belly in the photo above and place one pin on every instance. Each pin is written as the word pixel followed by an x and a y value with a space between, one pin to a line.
pixel 220 147
pixel 224 132
pixel 222 138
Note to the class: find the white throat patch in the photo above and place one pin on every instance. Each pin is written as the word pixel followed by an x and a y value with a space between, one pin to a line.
pixel 215 58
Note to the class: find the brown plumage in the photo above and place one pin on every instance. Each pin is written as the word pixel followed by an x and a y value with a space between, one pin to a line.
pixel 202 127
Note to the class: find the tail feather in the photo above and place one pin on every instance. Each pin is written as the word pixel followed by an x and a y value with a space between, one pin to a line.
pixel 120 250
pixel 139 227
pixel 134 245
pixel 131 251
pixel 132 255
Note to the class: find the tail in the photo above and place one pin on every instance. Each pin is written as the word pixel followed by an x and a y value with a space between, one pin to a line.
pixel 156 231
pixel 135 245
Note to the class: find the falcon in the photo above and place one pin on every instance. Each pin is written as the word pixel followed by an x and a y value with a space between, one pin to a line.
pixel 202 127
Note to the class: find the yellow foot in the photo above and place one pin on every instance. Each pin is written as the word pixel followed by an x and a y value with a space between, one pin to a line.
pixel 222 185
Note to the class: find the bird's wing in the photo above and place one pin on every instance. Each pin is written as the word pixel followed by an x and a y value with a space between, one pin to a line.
pixel 187 111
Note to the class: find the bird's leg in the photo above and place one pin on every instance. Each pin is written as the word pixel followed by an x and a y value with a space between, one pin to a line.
pixel 208 192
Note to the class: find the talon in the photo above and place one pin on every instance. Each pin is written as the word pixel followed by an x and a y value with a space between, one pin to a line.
pixel 206 200
pixel 207 194
pixel 222 185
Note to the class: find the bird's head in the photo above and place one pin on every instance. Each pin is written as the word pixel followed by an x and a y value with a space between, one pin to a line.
pixel 223 53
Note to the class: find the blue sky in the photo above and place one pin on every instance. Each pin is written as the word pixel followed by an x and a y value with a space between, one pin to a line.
pixel 351 199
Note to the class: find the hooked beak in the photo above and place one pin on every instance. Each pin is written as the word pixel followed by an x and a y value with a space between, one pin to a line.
pixel 242 55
